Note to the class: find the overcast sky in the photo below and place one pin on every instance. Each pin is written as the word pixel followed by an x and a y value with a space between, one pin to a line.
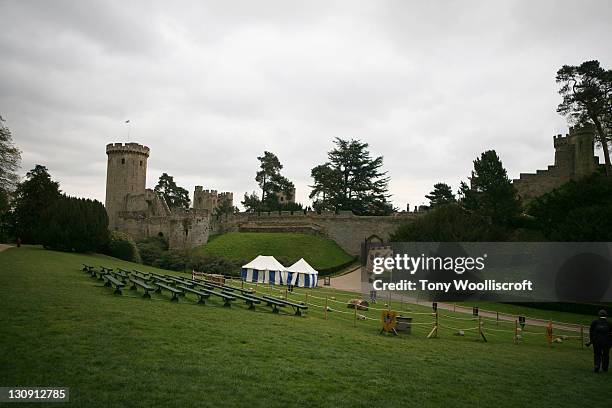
pixel 210 85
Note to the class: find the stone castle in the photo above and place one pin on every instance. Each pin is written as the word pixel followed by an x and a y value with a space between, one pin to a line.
pixel 574 158
pixel 141 212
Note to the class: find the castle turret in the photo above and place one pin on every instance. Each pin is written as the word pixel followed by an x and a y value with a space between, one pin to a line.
pixel 126 174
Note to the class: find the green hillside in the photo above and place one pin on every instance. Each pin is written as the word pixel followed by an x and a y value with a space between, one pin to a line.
pixel 60 327
pixel 318 251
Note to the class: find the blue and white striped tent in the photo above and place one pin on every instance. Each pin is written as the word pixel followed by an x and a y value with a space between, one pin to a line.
pixel 303 275
pixel 264 269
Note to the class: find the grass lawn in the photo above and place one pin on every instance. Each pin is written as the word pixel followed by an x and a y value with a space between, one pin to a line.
pixel 60 327
pixel 322 252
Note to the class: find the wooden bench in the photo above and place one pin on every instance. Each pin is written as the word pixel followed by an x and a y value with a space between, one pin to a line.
pixel 227 298
pixel 110 281
pixel 228 288
pixel 202 294
pixel 297 307
pixel 87 268
pixel 145 274
pixel 179 281
pixel 147 288
pixel 273 303
pixel 119 274
pixel 160 279
pixel 249 300
pixel 104 271
pixel 175 292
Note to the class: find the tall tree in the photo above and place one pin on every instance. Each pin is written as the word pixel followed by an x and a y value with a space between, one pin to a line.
pixel 10 157
pixel 32 196
pixel 175 196
pixel 490 192
pixel 442 194
pixel 351 181
pixel 587 99
pixel 269 171
pixel 251 202
pixel 272 184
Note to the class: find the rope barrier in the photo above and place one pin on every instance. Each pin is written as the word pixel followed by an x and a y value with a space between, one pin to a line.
pixel 460 318
pixel 345 298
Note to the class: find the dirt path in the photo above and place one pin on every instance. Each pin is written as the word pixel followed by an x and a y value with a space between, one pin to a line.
pixel 4 247
pixel 352 282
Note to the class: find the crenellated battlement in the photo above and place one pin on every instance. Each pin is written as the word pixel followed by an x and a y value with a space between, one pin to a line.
pixel 574 158
pixel 127 148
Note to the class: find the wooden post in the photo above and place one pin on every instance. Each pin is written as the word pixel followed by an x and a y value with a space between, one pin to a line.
pixel 497 322
pixel 515 331
pixel 581 336
pixel 241 284
pixel 454 307
pixel 307 298
pixel 355 321
pixel 549 333
pixel 325 307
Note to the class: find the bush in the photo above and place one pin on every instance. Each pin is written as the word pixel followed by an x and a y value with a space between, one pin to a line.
pixel 151 249
pixel 449 223
pixel 577 211
pixel 174 260
pixel 215 264
pixel 122 246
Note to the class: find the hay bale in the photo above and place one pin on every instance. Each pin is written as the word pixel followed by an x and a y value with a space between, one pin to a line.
pixel 361 317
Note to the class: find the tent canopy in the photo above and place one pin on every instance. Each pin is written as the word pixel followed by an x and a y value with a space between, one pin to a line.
pixel 301 274
pixel 264 263
pixel 302 266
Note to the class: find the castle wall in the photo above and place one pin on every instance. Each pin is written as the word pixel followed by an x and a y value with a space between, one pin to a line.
pixel 346 229
pixel 180 230
pixel 574 158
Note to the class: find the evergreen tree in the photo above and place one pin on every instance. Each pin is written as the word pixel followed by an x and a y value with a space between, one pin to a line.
pixel 587 99
pixel 442 194
pixel 75 224
pixel 32 196
pixel 490 193
pixel 351 180
pixel 175 196
pixel 272 184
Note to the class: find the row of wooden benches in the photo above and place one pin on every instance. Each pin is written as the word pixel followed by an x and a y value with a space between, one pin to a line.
pixel 179 286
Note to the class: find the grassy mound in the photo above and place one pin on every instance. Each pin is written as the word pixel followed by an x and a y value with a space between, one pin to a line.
pixel 60 327
pixel 320 252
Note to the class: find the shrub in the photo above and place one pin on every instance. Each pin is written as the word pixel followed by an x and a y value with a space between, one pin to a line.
pixel 122 246
pixel 449 223
pixel 577 211
pixel 174 260
pixel 215 264
pixel 151 249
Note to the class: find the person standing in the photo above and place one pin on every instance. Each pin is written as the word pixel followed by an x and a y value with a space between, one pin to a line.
pixel 600 334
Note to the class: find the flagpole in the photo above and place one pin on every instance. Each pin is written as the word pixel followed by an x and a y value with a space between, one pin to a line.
pixel 129 126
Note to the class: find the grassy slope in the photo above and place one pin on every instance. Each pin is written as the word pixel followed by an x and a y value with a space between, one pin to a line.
pixel 61 328
pixel 320 252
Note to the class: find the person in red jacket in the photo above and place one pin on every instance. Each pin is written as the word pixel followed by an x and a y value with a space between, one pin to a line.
pixel 600 334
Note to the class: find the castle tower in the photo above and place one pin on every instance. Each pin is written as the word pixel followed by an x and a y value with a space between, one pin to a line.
pixel 126 174
pixel 204 199
pixel 583 139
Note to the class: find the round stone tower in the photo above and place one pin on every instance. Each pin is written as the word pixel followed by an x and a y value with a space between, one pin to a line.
pixel 126 174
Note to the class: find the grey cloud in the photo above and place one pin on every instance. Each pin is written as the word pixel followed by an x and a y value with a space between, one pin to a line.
pixel 210 85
